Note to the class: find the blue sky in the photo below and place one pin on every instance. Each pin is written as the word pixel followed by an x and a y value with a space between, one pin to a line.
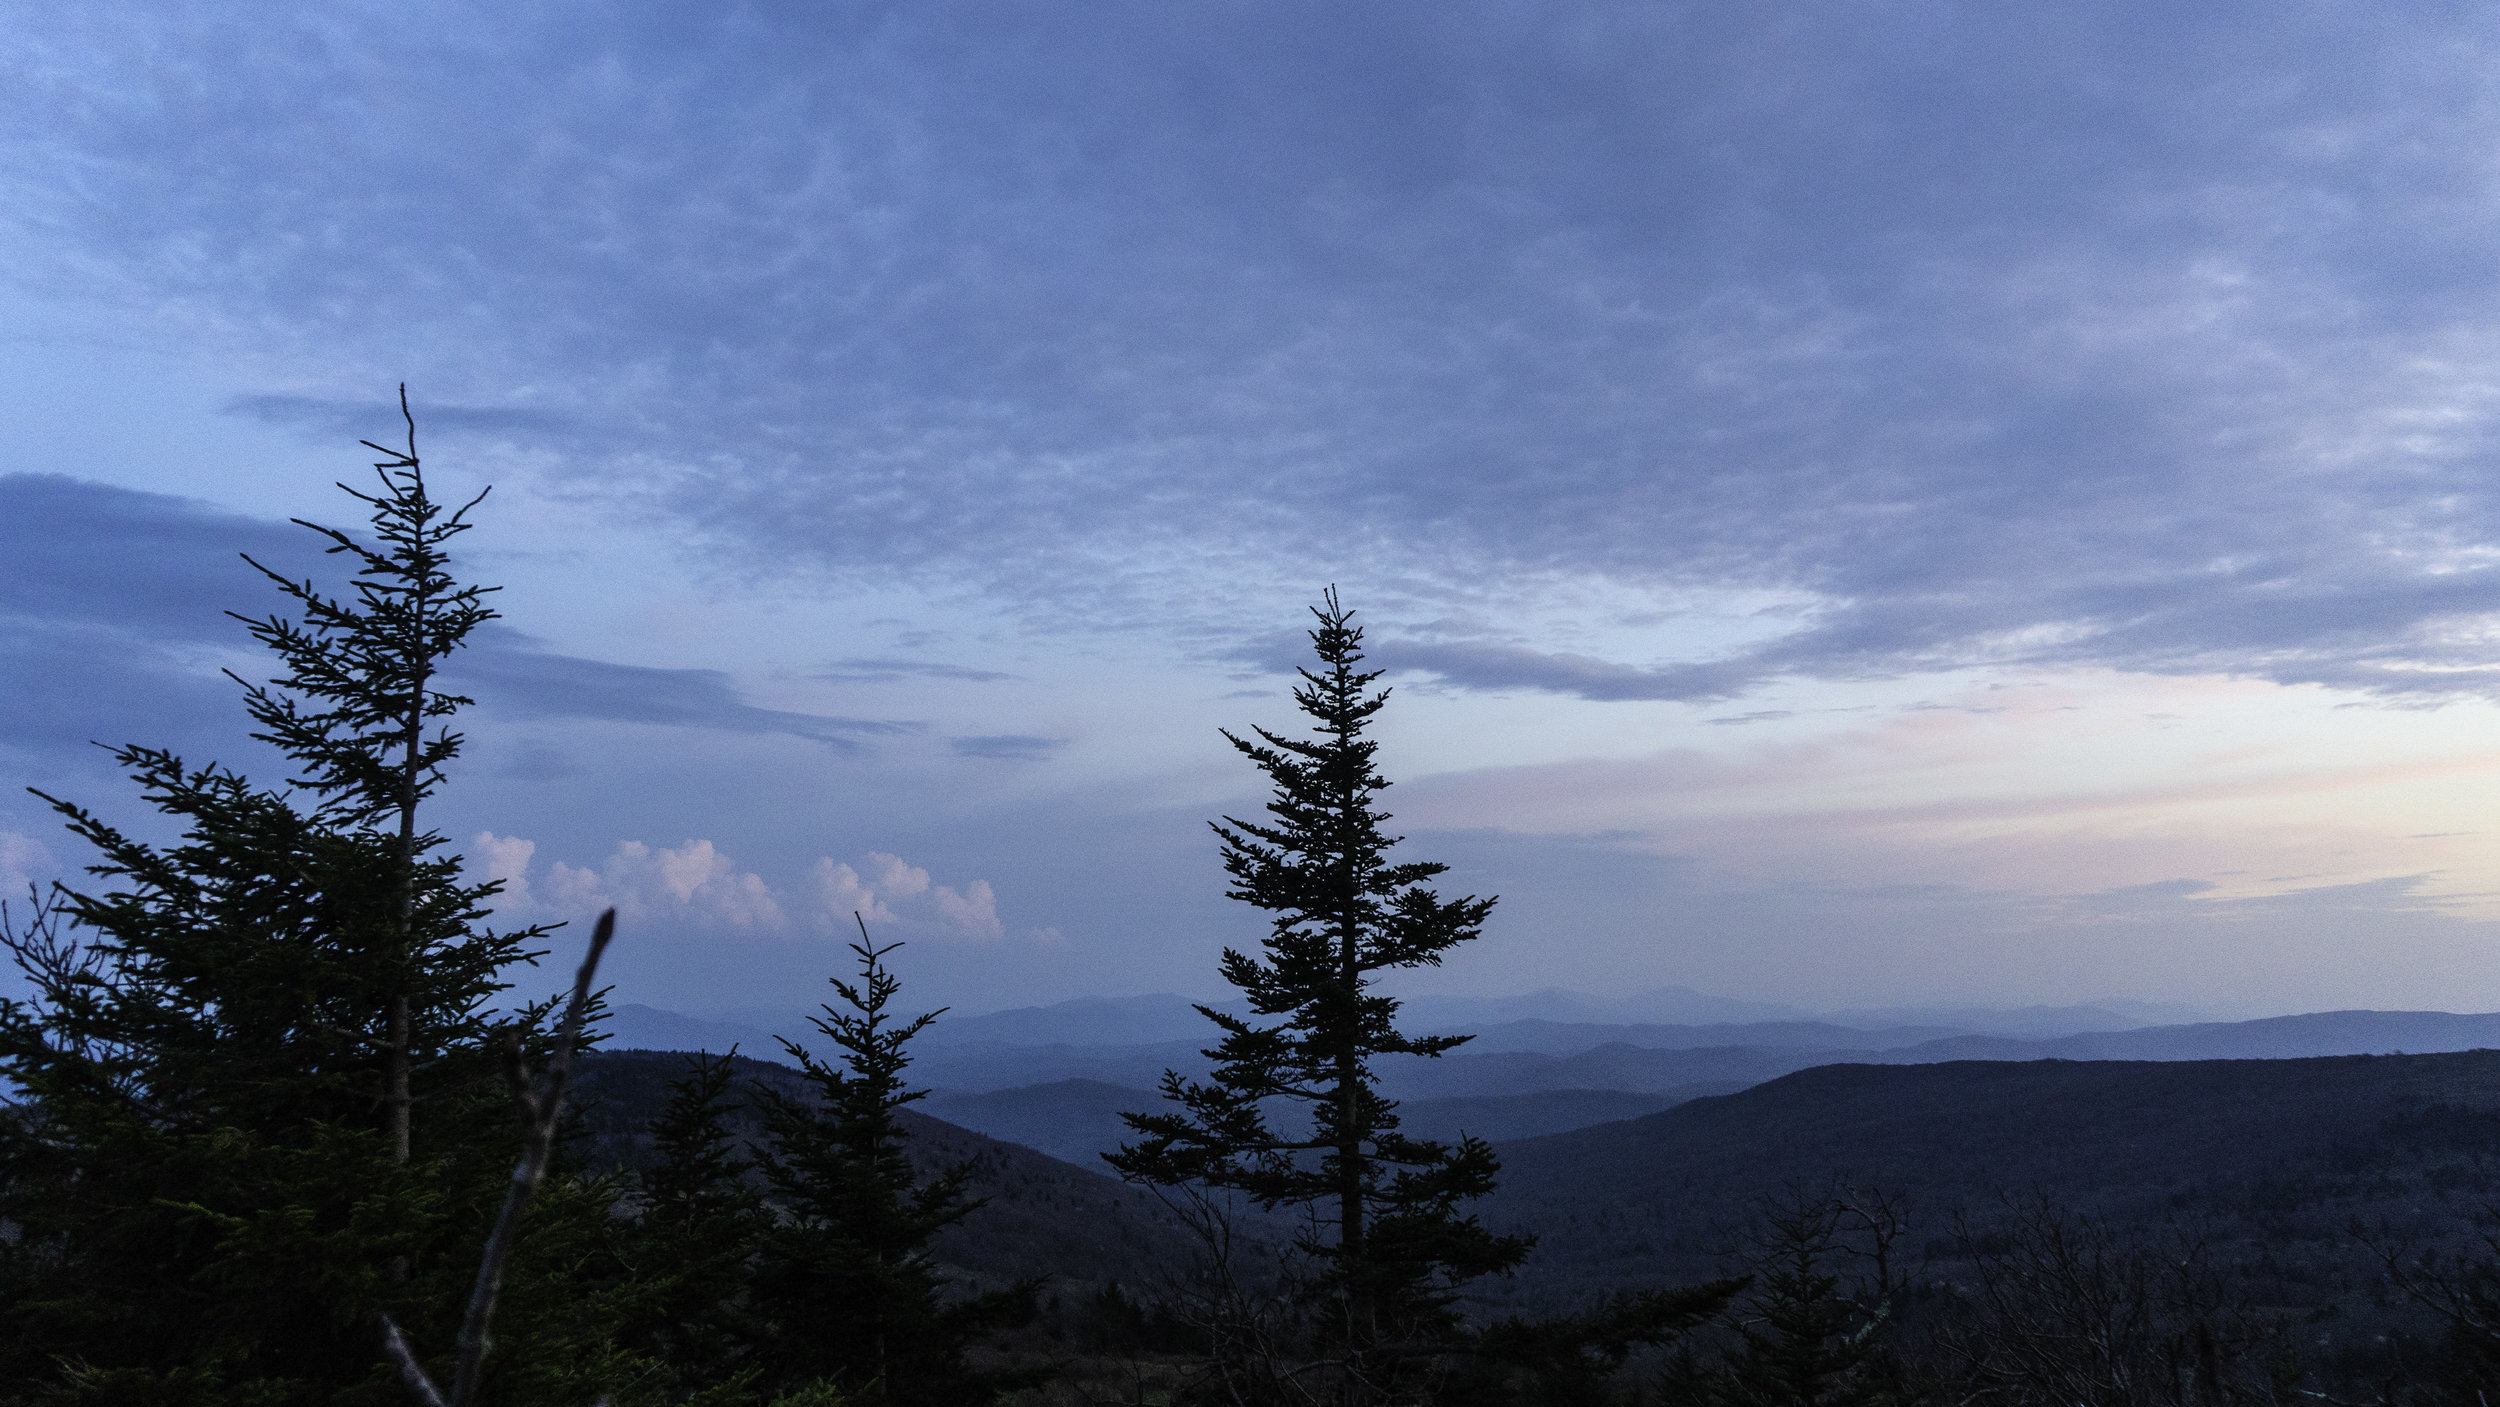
pixel 1862 502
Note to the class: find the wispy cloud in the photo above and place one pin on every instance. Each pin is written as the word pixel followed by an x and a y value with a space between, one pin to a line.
pixel 348 421
pixel 883 671
pixel 1512 667
pixel 528 683
pixel 1006 747
pixel 110 599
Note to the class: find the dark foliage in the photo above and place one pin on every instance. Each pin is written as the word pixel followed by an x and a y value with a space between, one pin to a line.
pixel 1814 1325
pixel 1396 1246
pixel 849 1291
pixel 694 1237
pixel 255 1100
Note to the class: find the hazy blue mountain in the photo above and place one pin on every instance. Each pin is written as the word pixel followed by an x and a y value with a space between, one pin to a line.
pixel 1002 1050
pixel 974 1069
pixel 1573 1038
pixel 1078 1120
pixel 2037 1022
pixel 1555 1021
pixel 2271 1038
pixel 1496 1117
pixel 1075 1121
pixel 1617 1066
pixel 632 1026
pixel 1658 1006
pixel 1084 1021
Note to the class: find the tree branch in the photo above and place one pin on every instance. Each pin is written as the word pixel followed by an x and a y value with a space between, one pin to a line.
pixel 542 1115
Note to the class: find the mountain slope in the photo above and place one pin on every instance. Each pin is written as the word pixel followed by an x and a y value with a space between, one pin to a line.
pixel 1042 1218
pixel 2274 1160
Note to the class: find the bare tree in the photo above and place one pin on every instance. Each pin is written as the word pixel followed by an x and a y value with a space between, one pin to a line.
pixel 2070 1311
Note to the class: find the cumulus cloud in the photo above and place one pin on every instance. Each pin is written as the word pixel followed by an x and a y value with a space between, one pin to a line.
pixel 973 913
pixel 891 891
pixel 25 860
pixel 697 885
pixel 694 883
pixel 505 860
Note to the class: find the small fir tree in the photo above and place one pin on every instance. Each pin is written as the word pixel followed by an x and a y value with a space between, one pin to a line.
pixel 1392 1236
pixel 1809 1332
pixel 850 1297
pixel 695 1239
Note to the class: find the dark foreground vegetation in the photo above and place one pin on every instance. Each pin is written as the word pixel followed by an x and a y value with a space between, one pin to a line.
pixel 279 1130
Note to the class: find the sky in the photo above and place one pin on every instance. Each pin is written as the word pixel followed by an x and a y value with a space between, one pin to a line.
pixel 1858 503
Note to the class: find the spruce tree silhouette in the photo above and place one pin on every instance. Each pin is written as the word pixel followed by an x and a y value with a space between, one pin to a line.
pixel 1386 1208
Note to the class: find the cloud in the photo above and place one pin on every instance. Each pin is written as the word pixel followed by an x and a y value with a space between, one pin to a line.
pixel 147 566
pixel 884 671
pixel 25 860
pixel 697 886
pixel 112 618
pixel 1006 747
pixel 1495 667
pixel 895 893
pixel 507 675
pixel 349 421
pixel 973 912
pixel 503 860
pixel 1993 343
pixel 692 883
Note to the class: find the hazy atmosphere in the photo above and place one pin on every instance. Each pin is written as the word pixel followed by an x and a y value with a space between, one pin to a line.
pixel 1861 504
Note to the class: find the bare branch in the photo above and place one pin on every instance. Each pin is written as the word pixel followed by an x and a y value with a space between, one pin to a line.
pixel 411 1372
pixel 542 1115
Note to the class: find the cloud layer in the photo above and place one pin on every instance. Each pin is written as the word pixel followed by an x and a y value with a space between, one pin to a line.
pixel 2143 335
pixel 111 629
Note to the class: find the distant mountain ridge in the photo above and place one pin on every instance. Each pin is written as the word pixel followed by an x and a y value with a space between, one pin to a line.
pixel 1517 1079
pixel 1077 1121
pixel 1160 1017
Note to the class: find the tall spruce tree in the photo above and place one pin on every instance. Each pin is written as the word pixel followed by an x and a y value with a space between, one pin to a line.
pixel 210 1158
pixel 1392 1234
pixel 849 1297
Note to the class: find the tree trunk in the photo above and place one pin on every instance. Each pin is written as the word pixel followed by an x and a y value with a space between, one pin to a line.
pixel 1352 1252
pixel 402 1099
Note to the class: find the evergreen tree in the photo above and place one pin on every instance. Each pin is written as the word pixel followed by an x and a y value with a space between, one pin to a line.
pixel 352 707
pixel 209 1161
pixel 851 1298
pixel 1814 1326
pixel 1393 1239
pixel 695 1239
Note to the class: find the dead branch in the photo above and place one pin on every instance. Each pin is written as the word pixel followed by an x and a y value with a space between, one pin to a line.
pixel 542 1115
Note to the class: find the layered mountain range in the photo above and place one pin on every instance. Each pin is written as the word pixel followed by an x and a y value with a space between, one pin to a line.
pixel 1057 1078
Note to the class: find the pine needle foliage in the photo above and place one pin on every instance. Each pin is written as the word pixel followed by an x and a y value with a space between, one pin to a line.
pixel 1386 1208
pixel 694 1242
pixel 358 690
pixel 853 1300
